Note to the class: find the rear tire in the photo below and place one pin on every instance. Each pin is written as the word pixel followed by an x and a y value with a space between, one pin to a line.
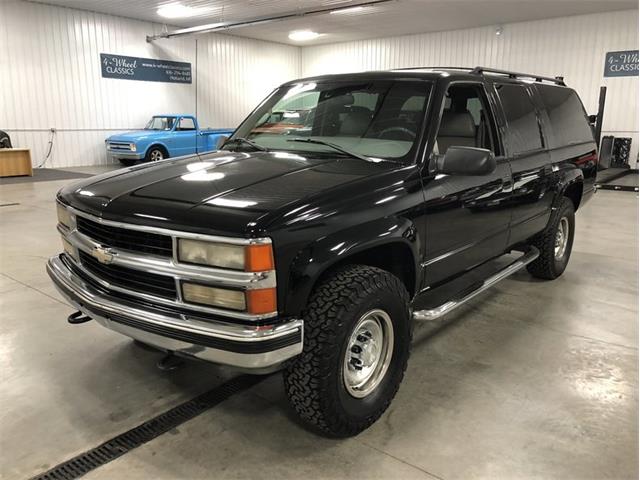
pixel 357 336
pixel 555 243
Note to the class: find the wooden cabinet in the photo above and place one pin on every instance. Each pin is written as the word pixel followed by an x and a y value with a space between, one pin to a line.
pixel 15 162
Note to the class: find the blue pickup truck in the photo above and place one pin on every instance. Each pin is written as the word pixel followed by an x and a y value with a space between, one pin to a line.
pixel 164 136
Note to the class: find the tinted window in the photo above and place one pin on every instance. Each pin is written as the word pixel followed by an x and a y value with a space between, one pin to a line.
pixel 566 116
pixel 523 131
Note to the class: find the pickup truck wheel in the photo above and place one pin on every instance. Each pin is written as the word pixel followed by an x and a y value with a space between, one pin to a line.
pixel 554 243
pixel 154 154
pixel 357 335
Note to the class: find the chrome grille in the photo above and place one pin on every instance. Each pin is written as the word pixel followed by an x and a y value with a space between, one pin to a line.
pixel 139 281
pixel 118 146
pixel 133 240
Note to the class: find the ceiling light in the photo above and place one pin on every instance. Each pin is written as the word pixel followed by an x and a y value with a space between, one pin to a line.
pixel 177 10
pixel 499 31
pixel 303 35
pixel 347 10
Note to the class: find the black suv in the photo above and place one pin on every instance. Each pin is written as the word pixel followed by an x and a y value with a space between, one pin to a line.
pixel 344 208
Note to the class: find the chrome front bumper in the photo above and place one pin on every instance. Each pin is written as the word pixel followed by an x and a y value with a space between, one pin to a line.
pixel 124 154
pixel 243 346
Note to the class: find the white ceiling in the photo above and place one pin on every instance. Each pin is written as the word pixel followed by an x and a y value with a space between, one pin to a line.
pixel 397 17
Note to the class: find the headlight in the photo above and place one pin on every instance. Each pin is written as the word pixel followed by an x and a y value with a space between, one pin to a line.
pixel 251 258
pixel 217 297
pixel 256 302
pixel 132 147
pixel 65 217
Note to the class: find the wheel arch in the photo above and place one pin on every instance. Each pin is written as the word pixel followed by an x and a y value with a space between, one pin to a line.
pixel 573 192
pixel 570 185
pixel 160 145
pixel 390 244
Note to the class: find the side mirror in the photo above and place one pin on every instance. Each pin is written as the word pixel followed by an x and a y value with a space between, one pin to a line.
pixel 467 161
pixel 221 140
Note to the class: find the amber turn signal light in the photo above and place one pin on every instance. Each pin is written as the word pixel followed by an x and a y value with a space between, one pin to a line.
pixel 258 258
pixel 261 301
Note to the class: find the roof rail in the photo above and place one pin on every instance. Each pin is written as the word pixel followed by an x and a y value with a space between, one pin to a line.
pixel 537 78
pixel 483 70
pixel 434 68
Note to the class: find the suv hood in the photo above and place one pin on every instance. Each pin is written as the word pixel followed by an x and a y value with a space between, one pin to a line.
pixel 219 193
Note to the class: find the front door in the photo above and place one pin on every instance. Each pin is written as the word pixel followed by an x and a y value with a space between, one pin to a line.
pixel 467 217
pixel 185 137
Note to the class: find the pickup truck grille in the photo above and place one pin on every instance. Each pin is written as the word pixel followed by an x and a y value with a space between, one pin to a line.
pixel 122 146
pixel 133 240
pixel 136 280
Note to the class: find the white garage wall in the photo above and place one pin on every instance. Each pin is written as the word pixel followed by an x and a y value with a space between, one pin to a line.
pixel 574 47
pixel 50 78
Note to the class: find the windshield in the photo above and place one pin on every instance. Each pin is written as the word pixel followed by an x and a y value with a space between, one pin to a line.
pixel 160 123
pixel 376 119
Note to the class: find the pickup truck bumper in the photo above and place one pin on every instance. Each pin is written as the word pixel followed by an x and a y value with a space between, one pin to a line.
pixel 257 349
pixel 125 155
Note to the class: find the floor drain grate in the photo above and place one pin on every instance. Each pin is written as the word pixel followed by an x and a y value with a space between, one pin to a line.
pixel 123 443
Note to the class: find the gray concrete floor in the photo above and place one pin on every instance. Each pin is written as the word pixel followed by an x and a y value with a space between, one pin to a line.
pixel 531 380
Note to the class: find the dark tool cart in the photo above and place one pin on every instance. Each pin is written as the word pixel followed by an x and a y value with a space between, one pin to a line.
pixel 614 171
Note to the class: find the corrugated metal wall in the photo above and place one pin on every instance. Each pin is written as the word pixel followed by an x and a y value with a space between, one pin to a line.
pixel 235 74
pixel 50 72
pixel 50 78
pixel 574 47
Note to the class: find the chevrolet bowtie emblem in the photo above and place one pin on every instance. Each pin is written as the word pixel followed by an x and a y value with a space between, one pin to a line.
pixel 103 254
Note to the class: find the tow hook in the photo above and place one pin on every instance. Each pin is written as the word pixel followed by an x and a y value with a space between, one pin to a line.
pixel 77 318
pixel 169 362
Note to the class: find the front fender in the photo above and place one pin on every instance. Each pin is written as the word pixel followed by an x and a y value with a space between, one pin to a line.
pixel 152 143
pixel 325 253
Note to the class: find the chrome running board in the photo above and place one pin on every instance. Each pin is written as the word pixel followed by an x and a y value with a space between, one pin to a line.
pixel 434 313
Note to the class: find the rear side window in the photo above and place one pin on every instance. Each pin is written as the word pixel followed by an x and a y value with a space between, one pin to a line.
pixel 523 129
pixel 566 114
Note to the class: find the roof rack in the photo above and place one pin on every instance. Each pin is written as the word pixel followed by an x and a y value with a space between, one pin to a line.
pixel 483 70
pixel 537 78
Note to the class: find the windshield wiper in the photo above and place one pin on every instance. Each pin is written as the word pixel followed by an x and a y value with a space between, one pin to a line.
pixel 247 141
pixel 332 145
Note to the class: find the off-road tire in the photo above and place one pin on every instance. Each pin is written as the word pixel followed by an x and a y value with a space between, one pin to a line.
pixel 547 266
pixel 314 380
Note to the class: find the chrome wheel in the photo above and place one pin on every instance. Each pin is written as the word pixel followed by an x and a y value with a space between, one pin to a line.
pixel 156 155
pixel 562 237
pixel 368 354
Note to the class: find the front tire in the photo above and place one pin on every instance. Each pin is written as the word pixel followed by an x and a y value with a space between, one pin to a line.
pixel 555 243
pixel 155 154
pixel 357 336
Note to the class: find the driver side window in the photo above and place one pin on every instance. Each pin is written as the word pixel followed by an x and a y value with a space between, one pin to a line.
pixel 186 124
pixel 466 120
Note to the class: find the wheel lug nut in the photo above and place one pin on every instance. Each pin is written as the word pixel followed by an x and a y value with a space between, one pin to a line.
pixel 362 338
pixel 356 361
pixel 356 349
